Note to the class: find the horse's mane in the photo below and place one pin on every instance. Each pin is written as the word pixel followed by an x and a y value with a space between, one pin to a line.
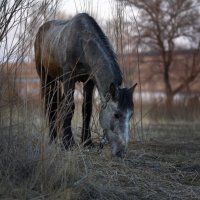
pixel 106 44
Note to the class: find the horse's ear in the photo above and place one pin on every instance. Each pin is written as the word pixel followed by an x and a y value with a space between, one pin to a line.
pixel 113 90
pixel 132 89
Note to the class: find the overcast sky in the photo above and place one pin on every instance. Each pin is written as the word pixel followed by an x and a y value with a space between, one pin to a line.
pixel 101 8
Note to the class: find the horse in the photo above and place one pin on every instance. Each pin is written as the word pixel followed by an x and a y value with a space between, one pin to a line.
pixel 77 50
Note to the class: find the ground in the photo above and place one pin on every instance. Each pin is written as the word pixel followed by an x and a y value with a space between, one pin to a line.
pixel 165 165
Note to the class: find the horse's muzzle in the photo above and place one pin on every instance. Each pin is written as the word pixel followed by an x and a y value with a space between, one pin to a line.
pixel 119 150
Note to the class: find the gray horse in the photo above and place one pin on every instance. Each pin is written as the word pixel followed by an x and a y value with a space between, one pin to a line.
pixel 77 50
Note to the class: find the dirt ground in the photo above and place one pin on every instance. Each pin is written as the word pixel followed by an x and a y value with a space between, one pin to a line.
pixel 166 165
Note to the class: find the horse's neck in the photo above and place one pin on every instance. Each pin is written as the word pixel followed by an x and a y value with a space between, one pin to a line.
pixel 102 70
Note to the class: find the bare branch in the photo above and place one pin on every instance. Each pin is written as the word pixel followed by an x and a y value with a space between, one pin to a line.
pixel 160 24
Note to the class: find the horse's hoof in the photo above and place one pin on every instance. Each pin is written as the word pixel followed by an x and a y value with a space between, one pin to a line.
pixel 69 144
pixel 89 144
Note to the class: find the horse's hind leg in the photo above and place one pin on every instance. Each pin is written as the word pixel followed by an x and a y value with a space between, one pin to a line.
pixel 69 106
pixel 51 93
pixel 86 112
pixel 52 100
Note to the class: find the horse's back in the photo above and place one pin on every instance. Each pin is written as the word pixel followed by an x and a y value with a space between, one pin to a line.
pixel 61 45
pixel 59 42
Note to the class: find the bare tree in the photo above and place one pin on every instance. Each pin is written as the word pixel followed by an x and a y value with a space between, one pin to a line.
pixel 161 25
pixel 17 19
pixel 8 12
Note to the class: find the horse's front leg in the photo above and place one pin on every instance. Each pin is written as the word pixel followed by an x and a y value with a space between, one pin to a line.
pixel 68 139
pixel 86 113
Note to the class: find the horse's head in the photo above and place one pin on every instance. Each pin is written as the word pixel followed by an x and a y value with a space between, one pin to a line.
pixel 115 116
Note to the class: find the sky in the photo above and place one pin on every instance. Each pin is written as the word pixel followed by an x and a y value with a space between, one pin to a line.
pixel 102 9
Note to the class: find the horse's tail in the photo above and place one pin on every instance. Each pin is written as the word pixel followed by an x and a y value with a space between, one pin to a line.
pixel 50 87
pixel 51 95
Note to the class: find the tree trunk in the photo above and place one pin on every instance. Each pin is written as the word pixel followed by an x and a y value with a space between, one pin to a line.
pixel 168 89
pixel 169 100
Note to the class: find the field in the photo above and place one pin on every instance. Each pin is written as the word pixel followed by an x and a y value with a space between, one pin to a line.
pixel 163 160
pixel 164 164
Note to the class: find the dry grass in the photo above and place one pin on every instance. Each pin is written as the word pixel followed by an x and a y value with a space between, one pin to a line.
pixel 164 166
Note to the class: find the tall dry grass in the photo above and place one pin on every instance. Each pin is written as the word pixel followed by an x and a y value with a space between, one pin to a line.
pixel 31 169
